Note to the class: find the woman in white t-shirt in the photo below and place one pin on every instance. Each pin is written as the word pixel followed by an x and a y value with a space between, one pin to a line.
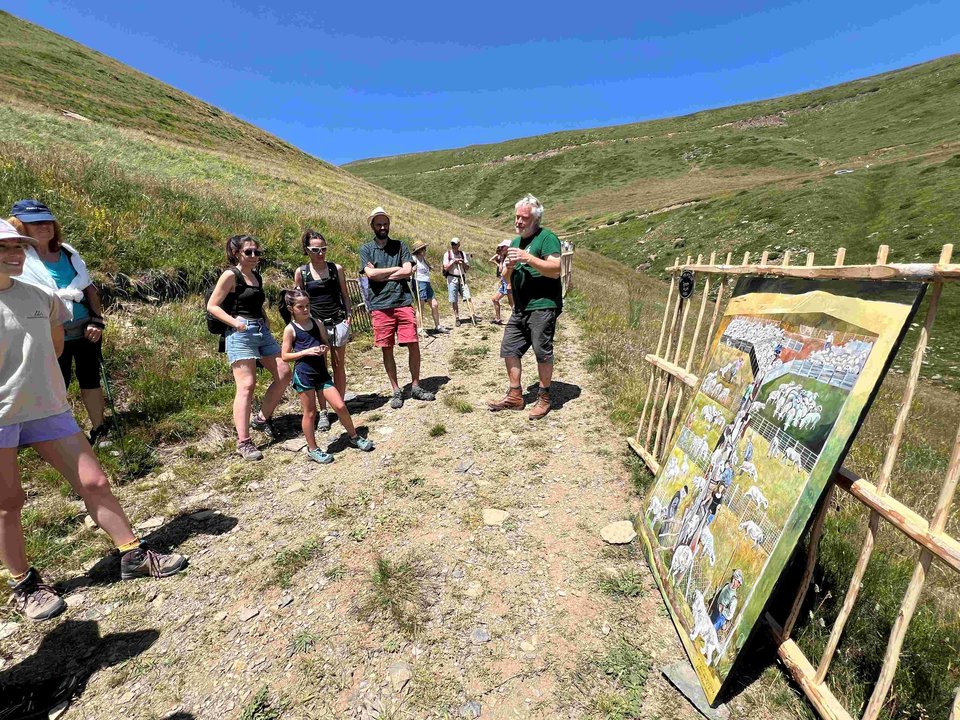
pixel 34 413
pixel 424 286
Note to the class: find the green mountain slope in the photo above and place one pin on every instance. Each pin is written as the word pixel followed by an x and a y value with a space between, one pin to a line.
pixel 586 176
pixel 150 178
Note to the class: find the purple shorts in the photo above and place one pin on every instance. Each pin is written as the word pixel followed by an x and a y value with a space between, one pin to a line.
pixel 53 427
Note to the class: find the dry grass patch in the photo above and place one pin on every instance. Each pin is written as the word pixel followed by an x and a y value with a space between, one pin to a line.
pixel 398 590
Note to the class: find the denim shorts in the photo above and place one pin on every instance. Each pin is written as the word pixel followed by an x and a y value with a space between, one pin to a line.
pixel 252 344
pixel 426 290
pixel 26 433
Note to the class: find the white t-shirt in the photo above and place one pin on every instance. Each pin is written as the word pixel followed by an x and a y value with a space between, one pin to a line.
pixel 457 270
pixel 423 270
pixel 31 386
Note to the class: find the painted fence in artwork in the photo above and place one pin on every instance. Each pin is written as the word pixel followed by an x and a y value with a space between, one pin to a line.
pixel 671 381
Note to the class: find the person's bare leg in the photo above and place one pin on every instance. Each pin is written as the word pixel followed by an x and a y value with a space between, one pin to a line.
pixel 496 306
pixel 390 365
pixel 281 379
pixel 339 407
pixel 245 376
pixel 435 310
pixel 545 371
pixel 414 362
pixel 308 423
pixel 513 370
pixel 13 552
pixel 93 401
pixel 73 458
pixel 338 358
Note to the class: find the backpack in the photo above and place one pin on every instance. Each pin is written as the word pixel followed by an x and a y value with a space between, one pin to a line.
pixel 215 326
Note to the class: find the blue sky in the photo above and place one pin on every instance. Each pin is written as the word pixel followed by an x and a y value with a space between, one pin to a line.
pixel 345 81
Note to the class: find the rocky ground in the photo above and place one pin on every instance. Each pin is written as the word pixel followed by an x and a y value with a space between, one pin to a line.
pixel 455 571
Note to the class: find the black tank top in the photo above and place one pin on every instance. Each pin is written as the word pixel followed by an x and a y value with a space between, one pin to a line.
pixel 326 300
pixel 249 298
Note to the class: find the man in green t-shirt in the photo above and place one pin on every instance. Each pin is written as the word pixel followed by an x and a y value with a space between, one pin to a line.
pixel 533 271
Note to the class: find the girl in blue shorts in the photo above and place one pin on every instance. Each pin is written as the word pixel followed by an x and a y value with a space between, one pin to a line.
pixel 305 342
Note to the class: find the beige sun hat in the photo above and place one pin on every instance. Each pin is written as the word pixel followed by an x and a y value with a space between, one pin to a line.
pixel 377 211
pixel 9 232
pixel 418 247
pixel 505 243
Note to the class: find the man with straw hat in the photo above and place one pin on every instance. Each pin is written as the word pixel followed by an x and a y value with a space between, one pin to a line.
pixel 425 287
pixel 388 265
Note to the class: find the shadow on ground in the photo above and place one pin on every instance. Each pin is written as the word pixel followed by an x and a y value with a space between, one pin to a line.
pixel 164 539
pixel 58 671
pixel 560 393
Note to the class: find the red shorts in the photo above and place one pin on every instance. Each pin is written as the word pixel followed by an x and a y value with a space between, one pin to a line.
pixel 401 321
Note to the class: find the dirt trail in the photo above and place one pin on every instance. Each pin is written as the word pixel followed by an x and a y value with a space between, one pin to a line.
pixel 515 623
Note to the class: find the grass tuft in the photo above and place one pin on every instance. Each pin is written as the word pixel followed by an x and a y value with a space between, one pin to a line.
pixel 438 430
pixel 399 590
pixel 288 563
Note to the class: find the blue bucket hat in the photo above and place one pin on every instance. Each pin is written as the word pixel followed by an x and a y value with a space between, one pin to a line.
pixel 31 211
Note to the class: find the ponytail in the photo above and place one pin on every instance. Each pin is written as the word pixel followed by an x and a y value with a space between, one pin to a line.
pixel 289 298
pixel 235 245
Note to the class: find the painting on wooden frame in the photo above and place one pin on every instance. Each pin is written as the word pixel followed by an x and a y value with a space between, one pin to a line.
pixel 790 374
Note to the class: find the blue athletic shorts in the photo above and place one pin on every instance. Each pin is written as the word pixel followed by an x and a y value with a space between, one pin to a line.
pixel 26 433
pixel 426 290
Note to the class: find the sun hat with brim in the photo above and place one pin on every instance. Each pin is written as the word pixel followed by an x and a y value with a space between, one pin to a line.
pixel 31 211
pixel 418 247
pixel 375 212
pixel 504 243
pixel 9 232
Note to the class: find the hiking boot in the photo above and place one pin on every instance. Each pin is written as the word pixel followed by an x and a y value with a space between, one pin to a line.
pixel 319 456
pixel 264 425
pixel 36 600
pixel 98 434
pixel 542 406
pixel 418 393
pixel 396 402
pixel 513 400
pixel 323 422
pixel 248 451
pixel 361 443
pixel 144 562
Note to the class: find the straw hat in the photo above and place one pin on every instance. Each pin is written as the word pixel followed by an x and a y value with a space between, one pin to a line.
pixel 377 211
pixel 418 247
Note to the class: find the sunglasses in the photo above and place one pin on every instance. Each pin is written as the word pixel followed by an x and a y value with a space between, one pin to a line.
pixel 251 252
pixel 317 250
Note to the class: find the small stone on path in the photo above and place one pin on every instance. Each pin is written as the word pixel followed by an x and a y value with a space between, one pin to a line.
pixel 295 487
pixel 73 601
pixel 619 533
pixel 385 430
pixel 474 591
pixel 294 444
pixel 248 614
pixel 464 466
pixel 7 629
pixel 151 523
pixel 202 515
pixel 90 523
pixel 470 709
pixel 480 635
pixel 493 517
pixel 527 646
pixel 399 674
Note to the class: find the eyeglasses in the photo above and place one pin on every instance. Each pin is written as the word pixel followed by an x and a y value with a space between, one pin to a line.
pixel 251 252
pixel 317 250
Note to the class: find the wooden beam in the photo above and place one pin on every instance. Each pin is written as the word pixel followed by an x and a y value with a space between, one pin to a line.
pixel 800 668
pixel 924 272
pixel 901 517
pixel 686 377
pixel 644 455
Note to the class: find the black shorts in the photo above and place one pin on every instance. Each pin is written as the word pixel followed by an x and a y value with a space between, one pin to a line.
pixel 86 354
pixel 525 329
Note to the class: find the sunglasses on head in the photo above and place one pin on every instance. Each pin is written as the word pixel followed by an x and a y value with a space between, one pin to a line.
pixel 253 252
pixel 317 250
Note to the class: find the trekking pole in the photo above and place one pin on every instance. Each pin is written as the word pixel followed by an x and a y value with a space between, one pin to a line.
pixel 468 298
pixel 114 416
pixel 418 311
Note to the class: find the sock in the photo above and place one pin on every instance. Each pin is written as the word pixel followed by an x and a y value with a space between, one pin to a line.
pixel 132 545
pixel 20 577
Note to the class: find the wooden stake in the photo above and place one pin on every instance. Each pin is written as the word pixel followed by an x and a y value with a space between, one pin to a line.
pixel 883 253
pixel 786 257
pixel 886 471
pixel 653 371
pixel 809 259
pixel 670 382
pixel 816 530
pixel 662 377
pixel 713 320
pixel 841 255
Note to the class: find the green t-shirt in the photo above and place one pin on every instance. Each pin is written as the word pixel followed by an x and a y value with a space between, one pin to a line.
pixel 392 293
pixel 531 290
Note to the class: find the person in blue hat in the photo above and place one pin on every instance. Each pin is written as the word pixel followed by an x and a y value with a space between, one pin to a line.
pixel 53 264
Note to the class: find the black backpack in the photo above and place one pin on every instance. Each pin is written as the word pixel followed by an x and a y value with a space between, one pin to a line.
pixel 215 326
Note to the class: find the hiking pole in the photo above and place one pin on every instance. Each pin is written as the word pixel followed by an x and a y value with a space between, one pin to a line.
pixel 468 298
pixel 114 416
pixel 418 311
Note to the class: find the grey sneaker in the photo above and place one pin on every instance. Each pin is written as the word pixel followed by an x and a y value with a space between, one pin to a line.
pixel 323 422
pixel 264 425
pixel 396 402
pixel 248 451
pixel 144 562
pixel 361 443
pixel 319 456
pixel 418 393
pixel 36 600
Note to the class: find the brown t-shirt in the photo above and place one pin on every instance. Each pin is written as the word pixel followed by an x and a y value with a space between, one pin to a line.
pixel 31 386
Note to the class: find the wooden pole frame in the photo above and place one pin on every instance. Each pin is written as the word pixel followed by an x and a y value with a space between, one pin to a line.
pixel 931 537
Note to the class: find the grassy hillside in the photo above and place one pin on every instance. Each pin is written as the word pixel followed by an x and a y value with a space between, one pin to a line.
pixel 586 175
